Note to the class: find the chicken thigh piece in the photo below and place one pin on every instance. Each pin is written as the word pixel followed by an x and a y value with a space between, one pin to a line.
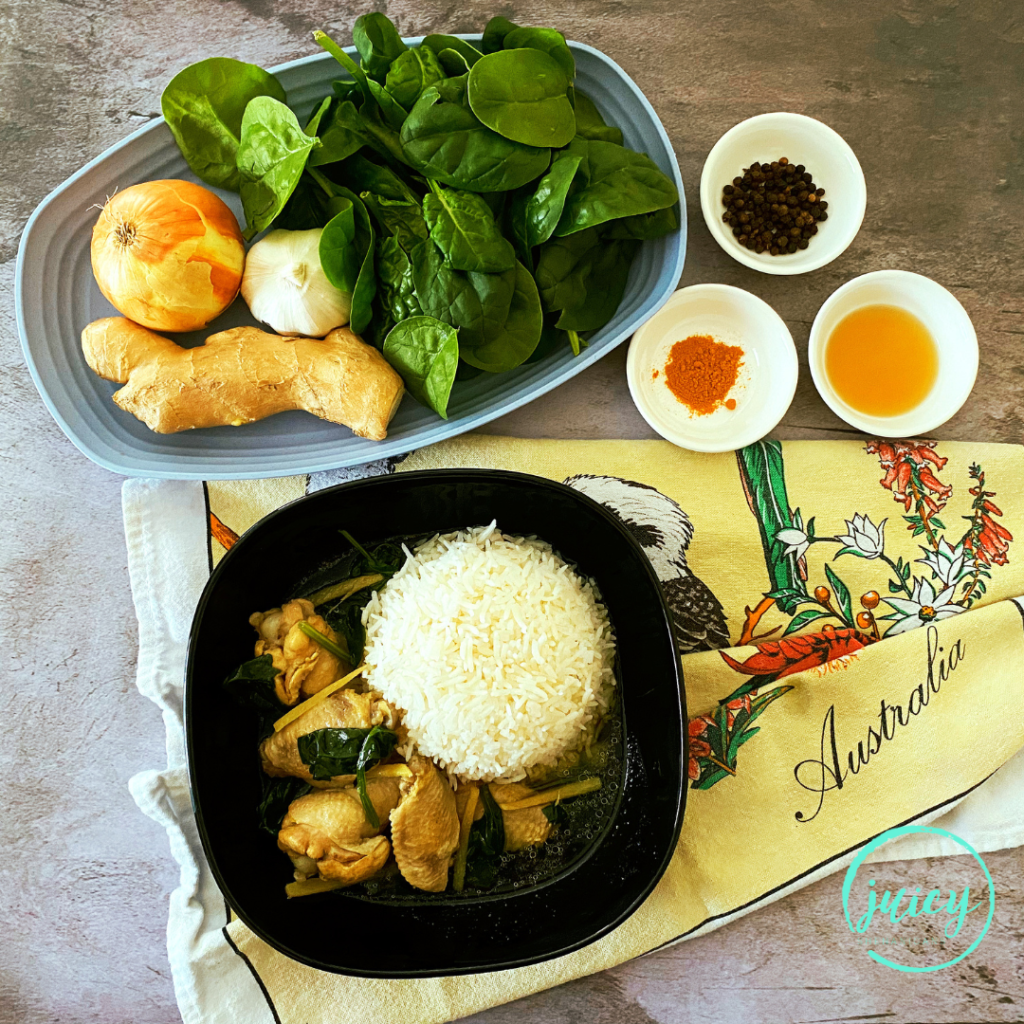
pixel 344 709
pixel 526 827
pixel 327 833
pixel 303 666
pixel 425 827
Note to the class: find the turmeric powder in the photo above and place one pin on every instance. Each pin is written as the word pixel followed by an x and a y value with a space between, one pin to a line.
pixel 701 372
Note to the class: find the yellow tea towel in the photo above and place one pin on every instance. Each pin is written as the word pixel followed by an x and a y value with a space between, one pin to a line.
pixel 846 625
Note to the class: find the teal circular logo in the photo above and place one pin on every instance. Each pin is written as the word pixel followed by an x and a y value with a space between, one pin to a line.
pixel 959 907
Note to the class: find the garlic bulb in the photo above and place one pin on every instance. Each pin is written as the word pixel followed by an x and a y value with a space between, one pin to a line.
pixel 286 288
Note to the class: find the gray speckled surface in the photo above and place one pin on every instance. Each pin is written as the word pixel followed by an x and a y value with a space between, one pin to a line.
pixel 929 94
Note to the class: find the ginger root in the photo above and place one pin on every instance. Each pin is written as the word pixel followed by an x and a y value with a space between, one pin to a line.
pixel 243 375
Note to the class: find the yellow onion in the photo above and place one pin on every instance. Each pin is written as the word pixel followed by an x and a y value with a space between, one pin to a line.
pixel 168 255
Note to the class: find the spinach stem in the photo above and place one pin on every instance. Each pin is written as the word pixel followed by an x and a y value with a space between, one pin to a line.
pixel 359 547
pixel 328 44
pixel 328 645
pixel 434 187
pixel 576 342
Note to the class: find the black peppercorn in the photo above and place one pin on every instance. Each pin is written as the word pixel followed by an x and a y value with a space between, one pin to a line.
pixel 774 207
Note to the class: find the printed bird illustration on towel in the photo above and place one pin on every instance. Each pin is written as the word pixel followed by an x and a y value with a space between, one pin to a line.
pixel 664 531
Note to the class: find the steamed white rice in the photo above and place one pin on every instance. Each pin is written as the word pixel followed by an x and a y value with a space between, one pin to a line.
pixel 499 655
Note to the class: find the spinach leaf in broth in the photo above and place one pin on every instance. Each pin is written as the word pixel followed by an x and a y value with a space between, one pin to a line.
pixel 278 794
pixel 253 684
pixel 523 95
pixel 272 155
pixel 203 106
pixel 464 229
pixel 425 352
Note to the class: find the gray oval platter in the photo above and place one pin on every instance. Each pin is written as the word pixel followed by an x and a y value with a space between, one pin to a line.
pixel 56 297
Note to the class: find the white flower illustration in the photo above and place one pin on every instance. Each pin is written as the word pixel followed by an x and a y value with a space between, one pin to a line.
pixel 922 607
pixel 863 538
pixel 796 542
pixel 946 563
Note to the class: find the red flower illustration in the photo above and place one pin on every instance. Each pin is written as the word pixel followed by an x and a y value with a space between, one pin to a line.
pixel 778 658
pixel 986 540
pixel 902 460
pixel 698 747
pixel 739 704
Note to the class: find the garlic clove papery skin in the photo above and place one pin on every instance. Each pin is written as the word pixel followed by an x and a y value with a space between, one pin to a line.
pixel 285 286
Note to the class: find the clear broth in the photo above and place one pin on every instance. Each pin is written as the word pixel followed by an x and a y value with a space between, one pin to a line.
pixel 881 360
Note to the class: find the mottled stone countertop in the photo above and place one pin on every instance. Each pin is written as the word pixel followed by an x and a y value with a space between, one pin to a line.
pixel 928 93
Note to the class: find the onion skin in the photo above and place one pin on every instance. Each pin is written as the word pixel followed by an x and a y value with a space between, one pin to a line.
pixel 168 255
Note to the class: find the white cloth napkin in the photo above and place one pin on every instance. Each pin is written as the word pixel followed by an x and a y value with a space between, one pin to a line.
pixel 165 526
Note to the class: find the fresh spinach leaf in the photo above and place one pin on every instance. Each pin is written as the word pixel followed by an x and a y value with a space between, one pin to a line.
pixel 425 352
pixel 363 175
pixel 392 112
pixel 367 123
pixel 395 288
pixel 507 341
pixel 454 64
pixel 378 43
pixel 551 41
pixel 559 273
pixel 271 157
pixel 398 217
pixel 604 271
pixel 522 95
pixel 253 684
pixel 306 209
pixel 584 276
pixel 203 106
pixel 357 73
pixel 339 255
pixel 551 339
pixel 590 124
pixel 439 43
pixel 366 281
pixel 645 225
pixel 445 294
pixel 534 216
pixel 463 228
pixel 337 141
pixel 619 183
pixel 413 72
pixel 495 32
pixel 278 794
pixel 443 139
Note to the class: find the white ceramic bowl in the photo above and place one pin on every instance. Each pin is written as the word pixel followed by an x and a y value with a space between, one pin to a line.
pixel 947 322
pixel 802 140
pixel 767 377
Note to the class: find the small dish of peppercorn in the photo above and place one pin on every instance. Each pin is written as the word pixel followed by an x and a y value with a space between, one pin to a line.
pixel 714 369
pixel 783 193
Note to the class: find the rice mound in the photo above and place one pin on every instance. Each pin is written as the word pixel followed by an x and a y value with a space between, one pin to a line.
pixel 499 655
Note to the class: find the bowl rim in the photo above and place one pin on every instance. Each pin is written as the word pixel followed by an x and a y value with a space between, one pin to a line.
pixel 709 191
pixel 786 360
pixel 441 476
pixel 88 431
pixel 876 425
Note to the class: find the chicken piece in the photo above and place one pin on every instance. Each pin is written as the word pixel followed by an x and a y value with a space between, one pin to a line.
pixel 527 827
pixel 327 833
pixel 344 709
pixel 303 666
pixel 425 827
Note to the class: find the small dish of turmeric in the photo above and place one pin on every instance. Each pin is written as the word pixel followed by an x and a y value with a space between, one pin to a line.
pixel 714 369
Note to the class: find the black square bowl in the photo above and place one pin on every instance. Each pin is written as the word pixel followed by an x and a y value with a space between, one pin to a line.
pixel 352 934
